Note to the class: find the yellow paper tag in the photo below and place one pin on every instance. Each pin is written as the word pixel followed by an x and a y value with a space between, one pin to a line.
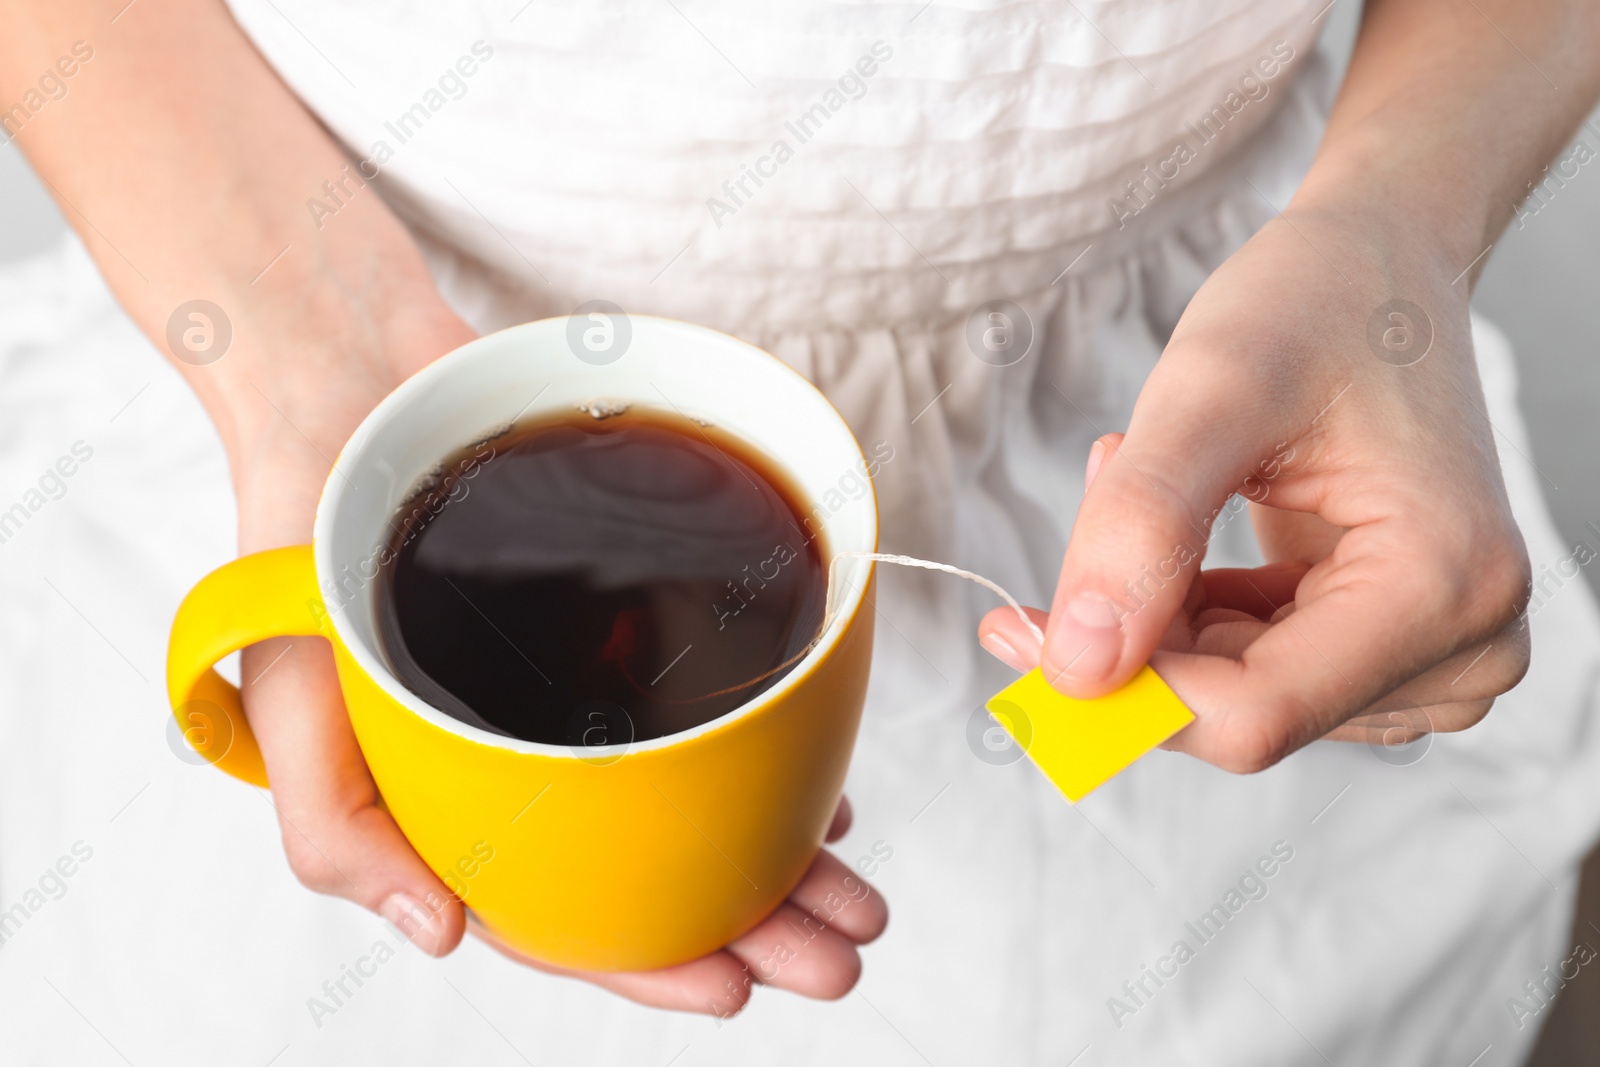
pixel 1081 744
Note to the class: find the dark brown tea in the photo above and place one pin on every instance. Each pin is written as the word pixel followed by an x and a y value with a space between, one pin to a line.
pixel 597 580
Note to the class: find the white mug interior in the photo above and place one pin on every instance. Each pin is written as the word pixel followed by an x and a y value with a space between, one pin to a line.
pixel 535 370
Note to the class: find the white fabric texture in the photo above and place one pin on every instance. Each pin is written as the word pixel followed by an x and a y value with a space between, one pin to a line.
pixel 576 166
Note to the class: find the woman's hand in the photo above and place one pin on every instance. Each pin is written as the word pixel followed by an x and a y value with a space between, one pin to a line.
pixel 1396 576
pixel 339 840
pixel 338 837
pixel 214 163
pixel 1325 371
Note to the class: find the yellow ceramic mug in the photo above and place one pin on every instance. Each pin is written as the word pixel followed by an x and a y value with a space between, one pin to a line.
pixel 617 858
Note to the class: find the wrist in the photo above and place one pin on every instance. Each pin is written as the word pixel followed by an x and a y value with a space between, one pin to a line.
pixel 1413 199
pixel 309 357
pixel 316 348
pixel 289 407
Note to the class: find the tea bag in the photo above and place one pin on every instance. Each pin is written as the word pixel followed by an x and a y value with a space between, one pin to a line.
pixel 1078 744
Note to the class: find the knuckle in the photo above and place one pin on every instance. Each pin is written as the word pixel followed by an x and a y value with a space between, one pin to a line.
pixel 838 986
pixel 1146 496
pixel 1514 667
pixel 1462 715
pixel 1255 743
pixel 1497 669
pixel 310 867
pixel 1490 582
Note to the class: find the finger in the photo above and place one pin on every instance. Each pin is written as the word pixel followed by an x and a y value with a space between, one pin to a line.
pixel 715 984
pixel 841 821
pixel 829 912
pixel 1139 537
pixel 1221 595
pixel 1001 632
pixel 1453 696
pixel 1401 726
pixel 1004 637
pixel 1368 619
pixel 1225 632
pixel 1477 671
pixel 1259 591
pixel 337 837
pixel 1292 535
pixel 834 896
pixel 791 950
pixel 1431 703
pixel 1098 451
pixel 1221 632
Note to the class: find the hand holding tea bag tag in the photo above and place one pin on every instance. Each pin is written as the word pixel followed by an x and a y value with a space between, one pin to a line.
pixel 1391 602
pixel 1078 744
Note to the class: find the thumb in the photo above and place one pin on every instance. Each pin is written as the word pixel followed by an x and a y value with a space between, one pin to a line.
pixel 1135 549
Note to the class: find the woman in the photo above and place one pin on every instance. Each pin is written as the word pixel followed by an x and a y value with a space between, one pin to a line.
pixel 983 226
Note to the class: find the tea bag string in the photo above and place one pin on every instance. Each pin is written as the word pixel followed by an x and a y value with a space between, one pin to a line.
pixel 925 564
pixel 831 609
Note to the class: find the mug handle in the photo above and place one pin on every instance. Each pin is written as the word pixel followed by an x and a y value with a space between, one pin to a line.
pixel 265 594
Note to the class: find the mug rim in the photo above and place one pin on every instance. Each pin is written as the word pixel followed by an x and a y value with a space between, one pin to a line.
pixel 371 662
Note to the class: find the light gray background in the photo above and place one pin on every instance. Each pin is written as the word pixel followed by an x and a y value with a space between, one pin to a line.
pixel 1542 287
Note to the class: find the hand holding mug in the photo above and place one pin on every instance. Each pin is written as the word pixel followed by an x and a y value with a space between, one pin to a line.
pixel 342 838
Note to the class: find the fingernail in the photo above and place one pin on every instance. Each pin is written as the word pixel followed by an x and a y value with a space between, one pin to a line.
pixel 1007 653
pixel 1087 642
pixel 1097 454
pixel 421 925
pixel 1092 612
